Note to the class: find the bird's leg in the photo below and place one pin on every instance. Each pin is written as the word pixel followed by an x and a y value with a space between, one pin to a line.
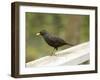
pixel 52 51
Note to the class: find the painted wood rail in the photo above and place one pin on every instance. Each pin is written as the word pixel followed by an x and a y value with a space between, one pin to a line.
pixel 72 56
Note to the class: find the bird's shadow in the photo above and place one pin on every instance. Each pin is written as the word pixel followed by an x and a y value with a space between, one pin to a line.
pixel 59 53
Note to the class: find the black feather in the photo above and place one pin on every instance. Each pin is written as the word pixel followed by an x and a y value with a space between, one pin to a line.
pixel 53 40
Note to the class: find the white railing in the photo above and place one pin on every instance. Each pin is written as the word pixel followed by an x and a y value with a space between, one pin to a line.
pixel 72 56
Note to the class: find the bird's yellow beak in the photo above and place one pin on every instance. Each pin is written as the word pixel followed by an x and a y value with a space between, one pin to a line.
pixel 37 34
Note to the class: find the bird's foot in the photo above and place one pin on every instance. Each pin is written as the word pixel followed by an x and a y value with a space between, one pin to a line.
pixel 53 54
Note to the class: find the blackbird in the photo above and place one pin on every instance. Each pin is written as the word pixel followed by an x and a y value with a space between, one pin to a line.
pixel 52 40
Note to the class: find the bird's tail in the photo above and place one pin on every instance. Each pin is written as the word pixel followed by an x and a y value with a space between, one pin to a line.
pixel 69 44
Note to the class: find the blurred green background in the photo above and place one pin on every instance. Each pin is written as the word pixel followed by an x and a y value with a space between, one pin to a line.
pixel 73 29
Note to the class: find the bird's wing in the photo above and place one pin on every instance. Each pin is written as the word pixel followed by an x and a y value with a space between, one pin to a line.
pixel 54 41
pixel 57 39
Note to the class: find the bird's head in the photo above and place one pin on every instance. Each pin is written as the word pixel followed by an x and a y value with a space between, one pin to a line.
pixel 43 32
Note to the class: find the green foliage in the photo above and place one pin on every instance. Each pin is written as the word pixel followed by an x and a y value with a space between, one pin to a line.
pixel 85 29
